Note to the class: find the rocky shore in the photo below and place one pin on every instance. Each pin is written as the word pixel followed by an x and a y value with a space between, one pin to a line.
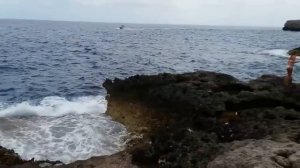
pixel 201 119
pixel 292 25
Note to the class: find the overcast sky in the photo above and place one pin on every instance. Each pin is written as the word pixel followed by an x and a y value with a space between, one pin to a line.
pixel 200 12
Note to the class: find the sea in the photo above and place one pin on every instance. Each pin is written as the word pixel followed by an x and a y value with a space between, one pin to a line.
pixel 52 103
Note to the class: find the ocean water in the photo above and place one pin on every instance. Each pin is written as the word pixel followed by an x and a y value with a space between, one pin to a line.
pixel 52 104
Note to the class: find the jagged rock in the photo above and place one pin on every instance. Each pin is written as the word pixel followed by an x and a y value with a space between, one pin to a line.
pixel 205 110
pixel 187 120
pixel 9 157
pixel 259 153
pixel 292 25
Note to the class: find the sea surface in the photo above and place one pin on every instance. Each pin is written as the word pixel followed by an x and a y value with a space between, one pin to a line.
pixel 52 103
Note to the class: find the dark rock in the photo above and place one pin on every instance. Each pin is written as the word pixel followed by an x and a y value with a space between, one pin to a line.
pixel 189 120
pixel 9 157
pixel 295 51
pixel 292 25
pixel 205 110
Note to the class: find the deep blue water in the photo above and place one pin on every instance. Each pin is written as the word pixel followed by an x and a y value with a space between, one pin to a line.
pixel 69 59
pixel 52 72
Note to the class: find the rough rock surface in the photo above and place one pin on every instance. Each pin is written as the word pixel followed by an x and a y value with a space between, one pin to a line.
pixel 9 157
pixel 119 160
pixel 259 153
pixel 292 25
pixel 196 119
pixel 205 112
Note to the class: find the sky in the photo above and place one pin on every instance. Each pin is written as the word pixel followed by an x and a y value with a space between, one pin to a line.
pixel 270 13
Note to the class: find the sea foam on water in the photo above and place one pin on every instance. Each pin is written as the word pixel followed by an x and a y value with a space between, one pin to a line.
pixel 56 106
pixel 61 129
pixel 276 52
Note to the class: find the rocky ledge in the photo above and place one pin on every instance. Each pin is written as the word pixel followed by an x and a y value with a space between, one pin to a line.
pixel 207 119
pixel 292 25
pixel 204 119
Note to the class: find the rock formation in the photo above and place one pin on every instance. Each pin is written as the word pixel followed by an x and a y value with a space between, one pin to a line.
pixel 292 25
pixel 9 157
pixel 199 114
pixel 203 119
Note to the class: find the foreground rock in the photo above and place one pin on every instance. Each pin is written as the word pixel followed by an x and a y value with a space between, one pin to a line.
pixel 203 119
pixel 188 120
pixel 292 25
pixel 9 157
pixel 259 153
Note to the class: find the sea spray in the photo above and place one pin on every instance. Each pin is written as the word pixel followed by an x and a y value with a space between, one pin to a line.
pixel 276 52
pixel 61 129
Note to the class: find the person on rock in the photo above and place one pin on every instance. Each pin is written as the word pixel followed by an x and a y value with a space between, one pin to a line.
pixel 290 66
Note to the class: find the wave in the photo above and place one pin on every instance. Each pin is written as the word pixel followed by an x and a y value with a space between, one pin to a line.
pixel 7 90
pixel 8 68
pixel 55 106
pixel 61 129
pixel 276 52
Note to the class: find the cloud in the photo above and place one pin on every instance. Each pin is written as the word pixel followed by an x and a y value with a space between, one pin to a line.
pixel 228 12
pixel 120 2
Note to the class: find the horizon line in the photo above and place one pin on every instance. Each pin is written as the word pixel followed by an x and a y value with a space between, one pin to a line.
pixel 141 23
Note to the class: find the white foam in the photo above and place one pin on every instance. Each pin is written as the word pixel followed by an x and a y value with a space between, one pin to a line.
pixel 55 106
pixel 276 52
pixel 60 129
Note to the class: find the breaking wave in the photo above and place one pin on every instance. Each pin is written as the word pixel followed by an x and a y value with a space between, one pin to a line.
pixel 276 52
pixel 61 129
pixel 55 106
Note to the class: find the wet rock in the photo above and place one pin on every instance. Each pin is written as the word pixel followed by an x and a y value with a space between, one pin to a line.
pixel 9 157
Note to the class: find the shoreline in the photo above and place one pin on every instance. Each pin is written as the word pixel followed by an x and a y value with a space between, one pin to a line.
pixel 176 118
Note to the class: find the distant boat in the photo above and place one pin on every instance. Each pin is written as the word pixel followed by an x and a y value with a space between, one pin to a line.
pixel 122 27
